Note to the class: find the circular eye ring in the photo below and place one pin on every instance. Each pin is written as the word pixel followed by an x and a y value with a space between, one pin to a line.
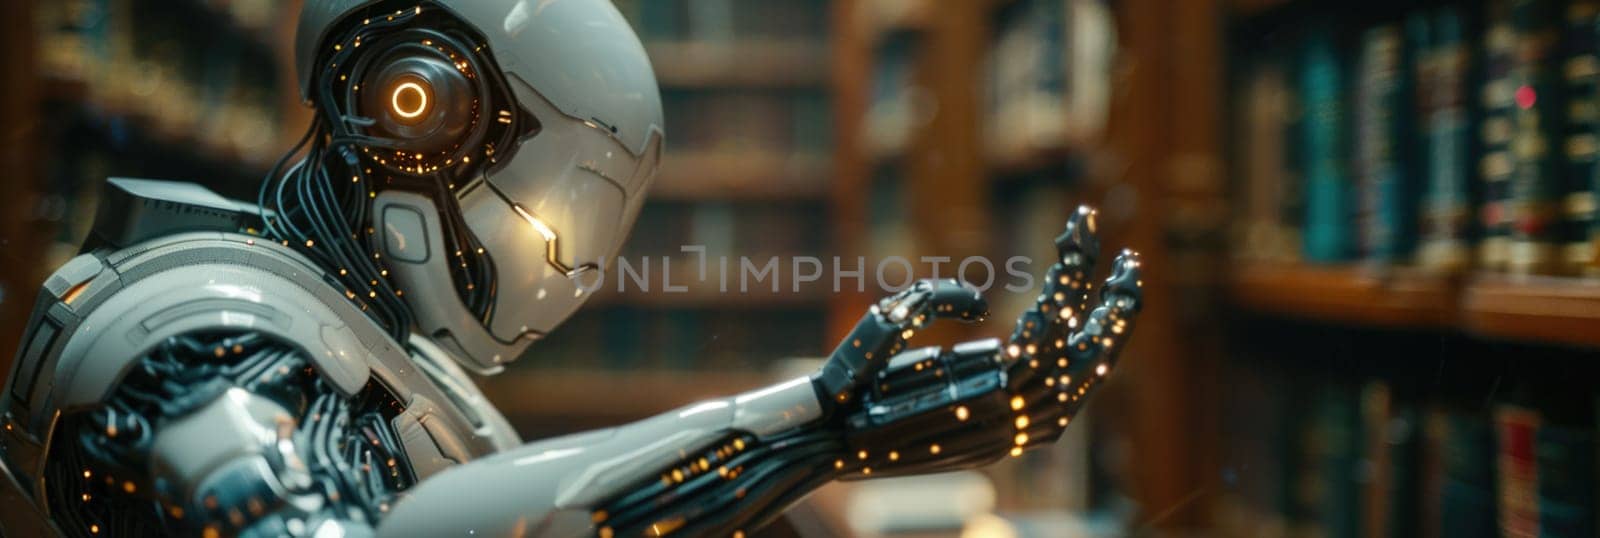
pixel 402 107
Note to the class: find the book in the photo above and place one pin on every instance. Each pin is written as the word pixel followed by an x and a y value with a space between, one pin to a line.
pixel 1497 100
pixel 1458 475
pixel 1392 452
pixel 1565 462
pixel 1328 483
pixel 1328 234
pixel 1535 147
pixel 1517 473
pixel 1386 214
pixel 1580 74
pixel 1446 130
pixel 1262 232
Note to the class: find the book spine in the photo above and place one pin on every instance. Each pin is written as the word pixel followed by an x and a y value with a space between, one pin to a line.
pixel 1516 429
pixel 1333 450
pixel 1441 83
pixel 1292 188
pixel 1535 146
pixel 1566 480
pixel 1262 112
pixel 1467 504
pixel 1495 165
pixel 1377 410
pixel 1327 232
pixel 1385 216
pixel 1580 70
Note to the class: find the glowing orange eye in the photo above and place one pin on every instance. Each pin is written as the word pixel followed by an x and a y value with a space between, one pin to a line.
pixel 409 100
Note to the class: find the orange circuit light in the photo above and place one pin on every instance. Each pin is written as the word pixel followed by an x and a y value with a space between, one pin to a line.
pixel 409 100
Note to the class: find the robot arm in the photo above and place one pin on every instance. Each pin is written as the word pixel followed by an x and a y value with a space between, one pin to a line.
pixel 721 467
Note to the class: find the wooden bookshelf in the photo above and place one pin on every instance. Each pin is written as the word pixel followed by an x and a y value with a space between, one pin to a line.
pixel 1534 309
pixel 1347 294
pixel 741 175
pixel 885 17
pixel 745 64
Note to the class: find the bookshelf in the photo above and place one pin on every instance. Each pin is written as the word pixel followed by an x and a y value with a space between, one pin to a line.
pixel 1415 307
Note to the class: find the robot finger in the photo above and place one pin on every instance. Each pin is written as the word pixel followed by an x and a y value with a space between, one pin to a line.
pixel 1056 311
pixel 1111 322
pixel 1077 248
pixel 1092 352
pixel 943 298
pixel 886 327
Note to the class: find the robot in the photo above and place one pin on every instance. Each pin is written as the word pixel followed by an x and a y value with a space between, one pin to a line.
pixel 298 365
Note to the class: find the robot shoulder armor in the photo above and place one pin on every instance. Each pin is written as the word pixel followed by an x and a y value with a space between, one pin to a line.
pixel 107 310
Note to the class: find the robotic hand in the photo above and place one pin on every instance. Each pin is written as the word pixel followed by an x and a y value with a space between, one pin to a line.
pixel 927 409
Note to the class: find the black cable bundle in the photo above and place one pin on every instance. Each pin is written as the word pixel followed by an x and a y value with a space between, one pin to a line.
pixel 321 204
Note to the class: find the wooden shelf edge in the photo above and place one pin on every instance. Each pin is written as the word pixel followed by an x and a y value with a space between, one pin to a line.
pixel 1528 309
pixel 1399 298
pixel 1534 309
pixel 742 64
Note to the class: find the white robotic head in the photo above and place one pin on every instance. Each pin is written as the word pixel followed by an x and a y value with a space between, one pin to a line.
pixel 547 206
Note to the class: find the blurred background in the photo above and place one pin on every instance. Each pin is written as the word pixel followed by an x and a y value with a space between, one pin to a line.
pixel 1373 306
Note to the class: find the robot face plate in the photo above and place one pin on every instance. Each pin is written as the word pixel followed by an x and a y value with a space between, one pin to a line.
pixel 553 217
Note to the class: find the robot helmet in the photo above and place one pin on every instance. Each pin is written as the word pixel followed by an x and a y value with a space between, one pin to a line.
pixel 504 146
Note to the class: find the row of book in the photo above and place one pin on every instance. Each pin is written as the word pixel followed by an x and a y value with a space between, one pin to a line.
pixel 1346 460
pixel 1445 137
pixel 217 91
pixel 1048 74
pixel 742 120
